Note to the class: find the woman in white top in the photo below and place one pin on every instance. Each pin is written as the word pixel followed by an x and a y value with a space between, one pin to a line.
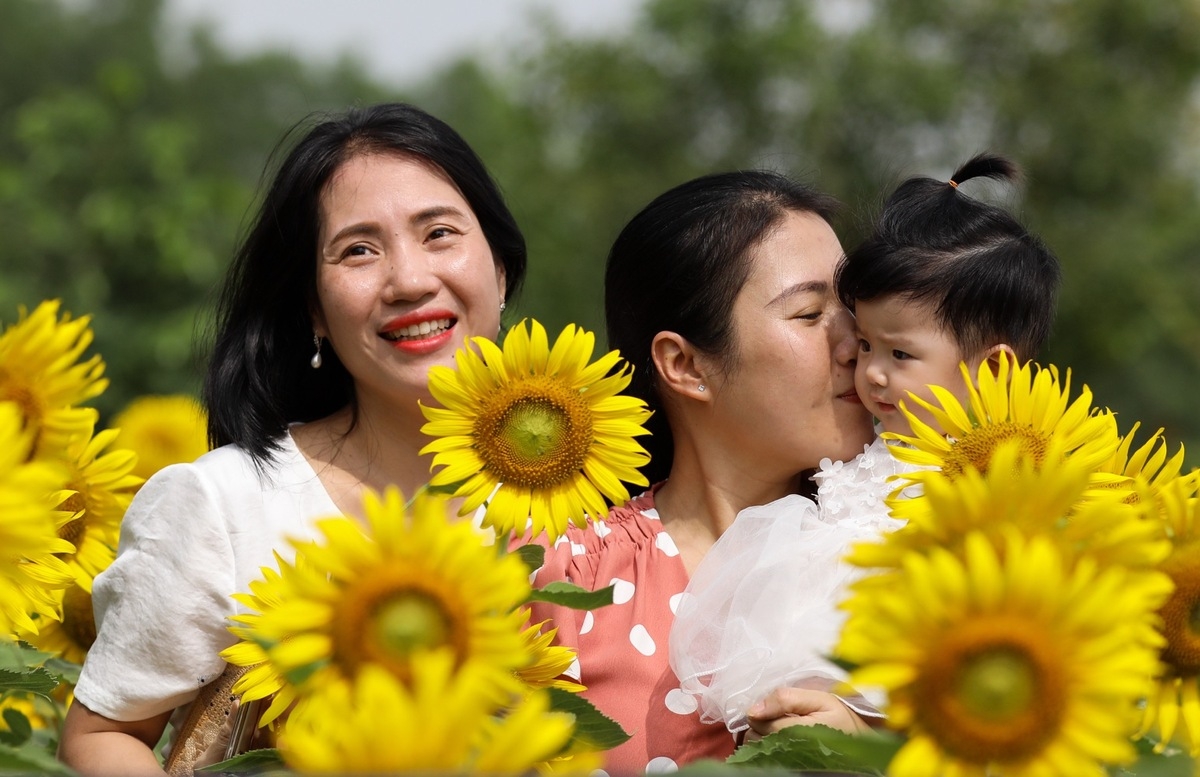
pixel 381 244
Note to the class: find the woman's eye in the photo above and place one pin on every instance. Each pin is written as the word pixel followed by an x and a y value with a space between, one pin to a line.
pixel 439 232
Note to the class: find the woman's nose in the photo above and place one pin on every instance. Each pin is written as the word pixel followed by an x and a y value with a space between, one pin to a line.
pixel 842 339
pixel 410 277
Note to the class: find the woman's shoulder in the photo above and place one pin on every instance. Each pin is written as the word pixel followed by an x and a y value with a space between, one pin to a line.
pixel 626 526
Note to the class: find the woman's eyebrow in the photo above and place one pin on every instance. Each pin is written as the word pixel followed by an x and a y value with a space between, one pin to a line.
pixel 804 287
pixel 436 212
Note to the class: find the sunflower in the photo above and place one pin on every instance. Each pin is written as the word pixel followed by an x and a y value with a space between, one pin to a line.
pixel 1013 492
pixel 30 570
pixel 40 371
pixel 440 723
pixel 162 430
pixel 408 585
pixel 1028 408
pixel 1004 661
pixel 537 433
pixel 1178 697
pixel 549 661
pixel 98 489
pixel 1142 473
pixel 72 637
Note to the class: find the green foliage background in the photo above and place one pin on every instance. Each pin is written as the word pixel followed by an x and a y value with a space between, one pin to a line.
pixel 129 167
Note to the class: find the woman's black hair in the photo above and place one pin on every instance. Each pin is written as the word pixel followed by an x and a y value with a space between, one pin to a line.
pixel 678 266
pixel 987 278
pixel 258 379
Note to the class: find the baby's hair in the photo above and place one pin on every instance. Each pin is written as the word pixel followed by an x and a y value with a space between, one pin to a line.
pixel 987 278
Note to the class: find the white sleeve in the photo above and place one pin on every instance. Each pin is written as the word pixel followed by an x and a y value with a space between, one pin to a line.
pixel 161 607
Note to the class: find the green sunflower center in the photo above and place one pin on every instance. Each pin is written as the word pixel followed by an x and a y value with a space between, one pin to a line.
pixel 78 621
pixel 976 448
pixel 385 618
pixel 535 433
pixel 994 689
pixel 1181 613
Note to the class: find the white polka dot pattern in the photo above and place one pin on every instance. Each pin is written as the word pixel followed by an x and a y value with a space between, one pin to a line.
pixel 664 543
pixel 681 703
pixel 601 529
pixel 642 641
pixel 622 590
pixel 674 601
pixel 578 549
pixel 588 621
pixel 661 765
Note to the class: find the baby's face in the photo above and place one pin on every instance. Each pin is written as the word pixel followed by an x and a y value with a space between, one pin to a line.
pixel 902 348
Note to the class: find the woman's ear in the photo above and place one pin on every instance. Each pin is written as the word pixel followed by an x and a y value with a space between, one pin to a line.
pixel 680 368
pixel 992 356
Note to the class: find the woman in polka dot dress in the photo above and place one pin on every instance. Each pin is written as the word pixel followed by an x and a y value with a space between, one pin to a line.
pixel 720 293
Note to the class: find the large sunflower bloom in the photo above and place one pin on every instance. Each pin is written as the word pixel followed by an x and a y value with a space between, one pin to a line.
pixel 162 430
pixel 1006 661
pixel 439 723
pixel 408 585
pixel 30 570
pixel 1028 407
pixel 1013 492
pixel 537 433
pixel 98 489
pixel 1175 709
pixel 40 371
pixel 1142 473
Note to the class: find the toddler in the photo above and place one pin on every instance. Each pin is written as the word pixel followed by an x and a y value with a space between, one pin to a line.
pixel 942 279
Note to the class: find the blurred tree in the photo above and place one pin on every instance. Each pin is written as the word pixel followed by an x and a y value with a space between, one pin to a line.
pixel 127 168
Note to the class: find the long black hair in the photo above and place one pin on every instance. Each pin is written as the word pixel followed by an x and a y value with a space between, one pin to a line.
pixel 258 378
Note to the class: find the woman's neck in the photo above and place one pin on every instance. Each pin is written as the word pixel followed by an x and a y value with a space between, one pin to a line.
pixel 701 499
pixel 374 450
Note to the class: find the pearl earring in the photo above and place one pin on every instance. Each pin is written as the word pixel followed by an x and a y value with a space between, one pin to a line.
pixel 316 361
pixel 502 306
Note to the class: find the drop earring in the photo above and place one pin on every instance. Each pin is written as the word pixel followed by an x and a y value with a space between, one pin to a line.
pixel 316 361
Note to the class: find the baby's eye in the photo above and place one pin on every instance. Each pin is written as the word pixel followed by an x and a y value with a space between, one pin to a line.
pixel 900 355
pixel 864 346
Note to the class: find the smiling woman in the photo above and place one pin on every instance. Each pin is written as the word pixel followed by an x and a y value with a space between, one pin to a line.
pixel 381 244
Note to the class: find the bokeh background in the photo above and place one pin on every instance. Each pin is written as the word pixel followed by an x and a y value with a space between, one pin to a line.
pixel 133 138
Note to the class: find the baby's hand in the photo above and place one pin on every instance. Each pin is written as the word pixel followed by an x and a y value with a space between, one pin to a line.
pixel 785 707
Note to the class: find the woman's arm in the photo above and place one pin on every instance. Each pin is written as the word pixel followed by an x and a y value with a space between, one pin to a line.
pixel 96 746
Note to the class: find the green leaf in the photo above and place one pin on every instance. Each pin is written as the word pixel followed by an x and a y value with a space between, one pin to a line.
pixel 571 595
pixel 1172 762
pixel 821 748
pixel 33 681
pixel 66 671
pixel 19 729
pixel 31 760
pixel 19 656
pixel 250 762
pixel 591 725
pixel 533 556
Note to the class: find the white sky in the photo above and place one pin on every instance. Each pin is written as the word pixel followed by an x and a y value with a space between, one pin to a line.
pixel 401 41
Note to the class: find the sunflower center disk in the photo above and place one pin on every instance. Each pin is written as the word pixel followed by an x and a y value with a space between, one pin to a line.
pixel 1181 613
pixel 411 622
pixel 991 693
pixel 78 621
pixel 535 435
pixel 976 448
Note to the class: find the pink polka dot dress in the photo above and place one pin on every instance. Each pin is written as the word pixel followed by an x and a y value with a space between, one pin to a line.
pixel 623 657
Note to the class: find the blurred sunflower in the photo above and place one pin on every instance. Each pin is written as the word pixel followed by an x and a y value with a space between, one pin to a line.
pixel 1142 473
pixel 1013 492
pixel 439 723
pixel 410 584
pixel 549 661
pixel 1178 698
pixel 41 372
pixel 98 489
pixel 162 430
pixel 71 637
pixel 1028 408
pixel 1006 661
pixel 537 433
pixel 30 570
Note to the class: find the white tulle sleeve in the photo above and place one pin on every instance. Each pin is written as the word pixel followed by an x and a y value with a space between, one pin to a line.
pixel 760 611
